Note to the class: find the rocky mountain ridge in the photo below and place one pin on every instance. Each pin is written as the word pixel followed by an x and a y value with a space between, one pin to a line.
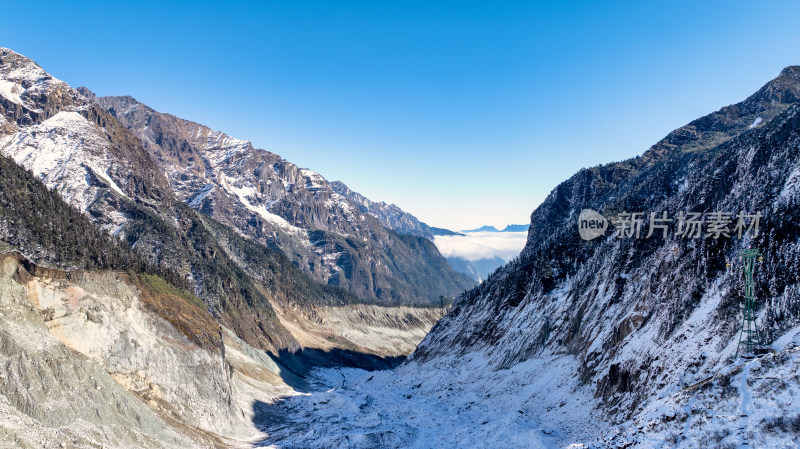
pixel 644 317
pixel 289 208
pixel 391 216
pixel 508 228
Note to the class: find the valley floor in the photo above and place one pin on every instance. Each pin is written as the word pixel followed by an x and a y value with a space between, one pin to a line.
pixel 87 364
pixel 449 404
pixel 458 403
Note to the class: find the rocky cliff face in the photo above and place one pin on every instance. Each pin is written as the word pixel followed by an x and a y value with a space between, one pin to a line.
pixel 644 318
pixel 328 234
pixel 98 358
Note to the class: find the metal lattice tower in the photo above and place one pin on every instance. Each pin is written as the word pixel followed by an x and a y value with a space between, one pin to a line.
pixel 749 338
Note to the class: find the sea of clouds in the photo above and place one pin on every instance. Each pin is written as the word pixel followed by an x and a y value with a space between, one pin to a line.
pixel 482 245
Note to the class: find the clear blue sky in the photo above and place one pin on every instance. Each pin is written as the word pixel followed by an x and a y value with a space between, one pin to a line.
pixel 463 113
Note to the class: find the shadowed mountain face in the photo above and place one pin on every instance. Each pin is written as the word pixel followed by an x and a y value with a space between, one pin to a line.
pixel 644 316
pixel 315 223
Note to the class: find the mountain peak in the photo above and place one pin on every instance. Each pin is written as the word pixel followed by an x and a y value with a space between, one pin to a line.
pixel 86 93
pixel 724 124
pixel 792 71
pixel 18 68
pixel 484 228
pixel 9 53
pixel 31 94
pixel 516 228
pixel 782 90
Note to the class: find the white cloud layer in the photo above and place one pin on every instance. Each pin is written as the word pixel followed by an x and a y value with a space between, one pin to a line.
pixel 480 245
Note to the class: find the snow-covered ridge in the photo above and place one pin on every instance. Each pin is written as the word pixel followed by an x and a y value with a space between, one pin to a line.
pixel 273 201
pixel 220 146
pixel 255 178
pixel 64 151
pixel 21 78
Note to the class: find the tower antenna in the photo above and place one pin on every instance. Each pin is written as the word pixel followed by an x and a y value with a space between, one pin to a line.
pixel 749 337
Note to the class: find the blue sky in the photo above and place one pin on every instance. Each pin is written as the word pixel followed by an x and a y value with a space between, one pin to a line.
pixel 463 113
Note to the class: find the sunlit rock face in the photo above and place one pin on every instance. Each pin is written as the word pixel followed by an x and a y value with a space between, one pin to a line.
pixel 333 234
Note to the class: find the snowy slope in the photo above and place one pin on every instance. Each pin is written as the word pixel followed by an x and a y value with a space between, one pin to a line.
pixel 539 403
pixel 751 403
pixel 66 152
pixel 646 319
pixel 616 342
pixel 52 136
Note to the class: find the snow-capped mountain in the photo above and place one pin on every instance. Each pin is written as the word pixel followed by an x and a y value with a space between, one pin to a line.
pixel 296 210
pixel 508 228
pixel 69 143
pixel 643 322
pixel 616 341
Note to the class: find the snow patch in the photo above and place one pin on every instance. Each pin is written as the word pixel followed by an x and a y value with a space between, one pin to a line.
pixel 246 193
pixel 106 178
pixel 11 91
pixel 792 186
pixel 197 198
